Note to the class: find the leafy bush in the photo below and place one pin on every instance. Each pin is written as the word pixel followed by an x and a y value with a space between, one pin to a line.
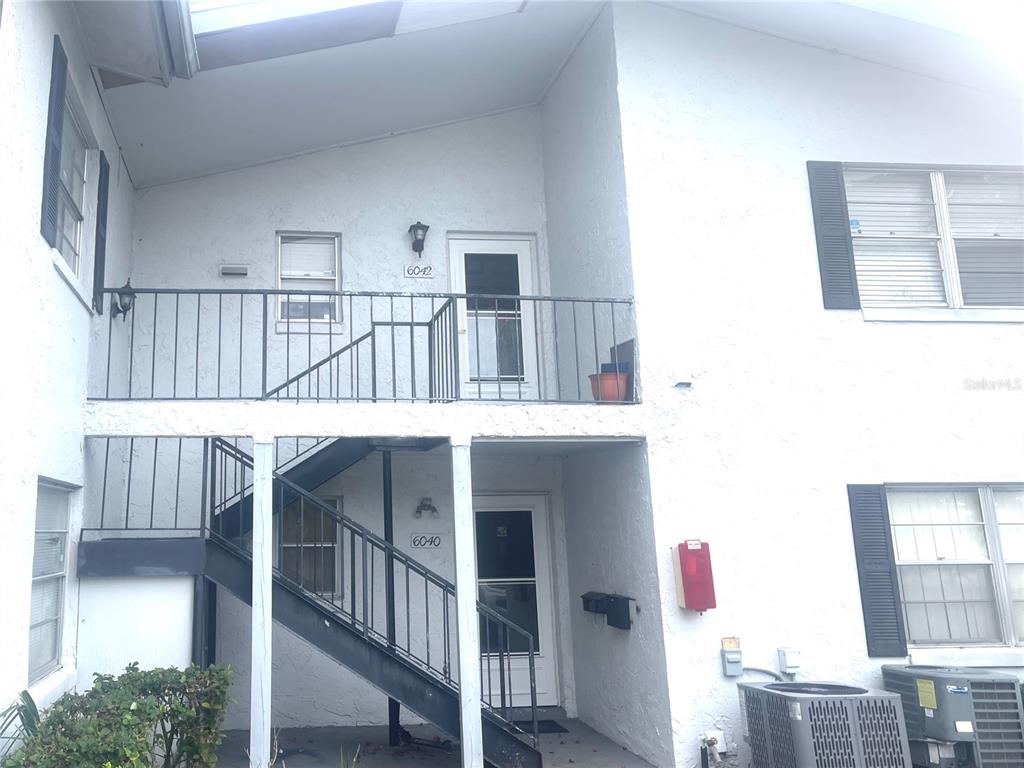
pixel 160 718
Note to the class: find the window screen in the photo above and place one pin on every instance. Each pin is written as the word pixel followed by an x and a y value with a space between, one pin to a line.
pixel 49 571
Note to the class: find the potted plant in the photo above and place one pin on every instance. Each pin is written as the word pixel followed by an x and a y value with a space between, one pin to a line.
pixel 611 384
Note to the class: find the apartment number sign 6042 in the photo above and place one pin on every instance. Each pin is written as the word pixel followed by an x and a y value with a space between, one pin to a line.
pixel 418 271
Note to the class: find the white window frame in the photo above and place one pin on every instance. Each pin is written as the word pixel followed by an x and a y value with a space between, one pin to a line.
pixel 996 561
pixel 283 278
pixel 35 675
pixel 338 589
pixel 954 309
pixel 66 203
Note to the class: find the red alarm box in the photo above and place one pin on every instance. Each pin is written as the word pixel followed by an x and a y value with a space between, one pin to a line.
pixel 695 586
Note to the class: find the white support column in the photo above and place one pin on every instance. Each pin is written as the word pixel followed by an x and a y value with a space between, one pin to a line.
pixel 262 615
pixel 468 624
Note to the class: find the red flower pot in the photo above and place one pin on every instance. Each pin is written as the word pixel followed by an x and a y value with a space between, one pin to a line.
pixel 609 387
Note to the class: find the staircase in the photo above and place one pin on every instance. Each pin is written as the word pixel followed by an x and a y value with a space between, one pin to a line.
pixel 331 581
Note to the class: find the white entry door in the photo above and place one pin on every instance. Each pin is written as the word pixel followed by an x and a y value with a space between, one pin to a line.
pixel 497 336
pixel 514 577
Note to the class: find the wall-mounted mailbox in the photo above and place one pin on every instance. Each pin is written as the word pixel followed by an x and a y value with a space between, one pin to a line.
pixel 616 608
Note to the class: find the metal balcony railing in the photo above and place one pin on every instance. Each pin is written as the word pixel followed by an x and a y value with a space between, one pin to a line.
pixel 208 344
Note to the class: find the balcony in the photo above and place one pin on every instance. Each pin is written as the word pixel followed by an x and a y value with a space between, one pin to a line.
pixel 212 344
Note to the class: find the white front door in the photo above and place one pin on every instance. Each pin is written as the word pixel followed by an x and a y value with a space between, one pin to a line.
pixel 497 336
pixel 514 577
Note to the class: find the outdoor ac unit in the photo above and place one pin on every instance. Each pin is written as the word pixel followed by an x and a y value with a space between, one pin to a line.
pixel 821 725
pixel 960 717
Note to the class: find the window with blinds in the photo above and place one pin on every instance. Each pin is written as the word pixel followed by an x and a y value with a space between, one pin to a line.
pixel 960 563
pixel 308 268
pixel 937 238
pixel 49 574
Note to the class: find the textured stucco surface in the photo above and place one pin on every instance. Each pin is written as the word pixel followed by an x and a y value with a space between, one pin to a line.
pixel 789 402
pixel 481 176
pixel 46 342
pixel 622 690
pixel 585 189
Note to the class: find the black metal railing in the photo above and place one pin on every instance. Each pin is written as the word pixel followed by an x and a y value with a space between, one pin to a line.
pixel 349 569
pixel 198 344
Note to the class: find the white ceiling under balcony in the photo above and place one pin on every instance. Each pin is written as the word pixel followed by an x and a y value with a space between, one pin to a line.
pixel 236 115
pixel 338 72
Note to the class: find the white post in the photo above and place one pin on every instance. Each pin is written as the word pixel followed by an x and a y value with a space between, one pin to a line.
pixel 262 613
pixel 468 624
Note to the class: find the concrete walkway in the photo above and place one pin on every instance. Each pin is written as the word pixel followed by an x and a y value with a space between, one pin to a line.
pixel 581 747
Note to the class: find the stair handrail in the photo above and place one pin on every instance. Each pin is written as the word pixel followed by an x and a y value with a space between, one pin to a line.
pixel 316 366
pixel 447 587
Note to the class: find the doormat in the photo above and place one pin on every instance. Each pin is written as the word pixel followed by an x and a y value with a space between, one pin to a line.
pixel 543 726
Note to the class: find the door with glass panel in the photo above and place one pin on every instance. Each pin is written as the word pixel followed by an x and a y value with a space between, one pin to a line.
pixel 514 579
pixel 497 331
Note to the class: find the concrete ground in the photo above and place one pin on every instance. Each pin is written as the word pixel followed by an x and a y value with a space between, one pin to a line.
pixel 581 747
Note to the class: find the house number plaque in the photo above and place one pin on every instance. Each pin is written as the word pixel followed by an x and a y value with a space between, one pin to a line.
pixel 418 271
pixel 426 541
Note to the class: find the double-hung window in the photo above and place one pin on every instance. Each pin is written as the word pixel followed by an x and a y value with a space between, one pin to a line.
pixel 308 262
pixel 49 575
pixel 71 200
pixel 959 557
pixel 929 238
pixel 309 546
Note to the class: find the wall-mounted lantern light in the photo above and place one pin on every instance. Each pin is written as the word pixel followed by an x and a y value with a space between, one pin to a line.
pixel 419 234
pixel 124 300
pixel 426 506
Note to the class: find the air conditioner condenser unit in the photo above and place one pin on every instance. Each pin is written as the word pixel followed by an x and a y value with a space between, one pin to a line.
pixel 821 725
pixel 960 717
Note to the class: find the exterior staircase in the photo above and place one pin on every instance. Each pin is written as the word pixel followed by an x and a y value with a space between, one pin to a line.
pixel 331 587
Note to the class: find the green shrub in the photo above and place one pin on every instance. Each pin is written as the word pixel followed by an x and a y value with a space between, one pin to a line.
pixel 160 718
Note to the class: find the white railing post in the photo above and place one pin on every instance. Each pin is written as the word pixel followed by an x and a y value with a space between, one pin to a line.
pixel 467 623
pixel 260 735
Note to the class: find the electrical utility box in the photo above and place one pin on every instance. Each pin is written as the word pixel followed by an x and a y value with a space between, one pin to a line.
pixel 695 584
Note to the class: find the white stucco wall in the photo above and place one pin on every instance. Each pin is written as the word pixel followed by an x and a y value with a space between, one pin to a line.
pixel 46 342
pixel 309 688
pixel 479 176
pixel 125 620
pixel 789 402
pixel 621 685
pixel 585 192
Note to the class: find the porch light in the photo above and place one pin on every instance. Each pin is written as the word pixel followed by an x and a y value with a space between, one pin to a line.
pixel 124 300
pixel 419 234
pixel 426 505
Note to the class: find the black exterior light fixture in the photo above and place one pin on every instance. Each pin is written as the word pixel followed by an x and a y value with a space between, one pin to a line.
pixel 419 234
pixel 124 300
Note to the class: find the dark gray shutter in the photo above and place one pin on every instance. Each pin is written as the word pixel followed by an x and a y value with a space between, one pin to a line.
pixel 876 568
pixel 54 129
pixel 99 265
pixel 832 232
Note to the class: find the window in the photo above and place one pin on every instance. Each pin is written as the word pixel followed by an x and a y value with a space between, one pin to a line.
pixel 308 262
pixel 49 573
pixel 937 238
pixel 71 201
pixel 308 549
pixel 959 563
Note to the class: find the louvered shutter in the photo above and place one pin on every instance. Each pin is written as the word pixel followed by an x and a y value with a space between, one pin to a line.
pixel 832 232
pixel 54 130
pixel 100 252
pixel 876 568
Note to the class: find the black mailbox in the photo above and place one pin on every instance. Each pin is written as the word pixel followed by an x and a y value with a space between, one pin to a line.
pixel 615 608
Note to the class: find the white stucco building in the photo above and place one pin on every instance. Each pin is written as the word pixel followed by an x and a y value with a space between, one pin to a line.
pixel 787 239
